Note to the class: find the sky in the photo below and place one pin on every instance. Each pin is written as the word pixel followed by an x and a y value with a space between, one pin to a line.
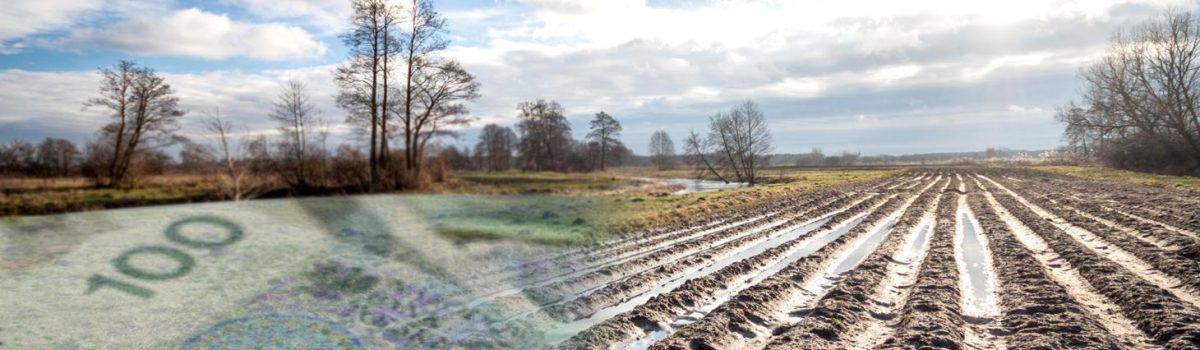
pixel 870 76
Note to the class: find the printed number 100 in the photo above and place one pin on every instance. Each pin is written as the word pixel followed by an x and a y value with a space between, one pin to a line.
pixel 184 260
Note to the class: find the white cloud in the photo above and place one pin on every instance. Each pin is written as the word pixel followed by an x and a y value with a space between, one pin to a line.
pixel 22 19
pixel 196 33
pixel 328 16
pixel 19 18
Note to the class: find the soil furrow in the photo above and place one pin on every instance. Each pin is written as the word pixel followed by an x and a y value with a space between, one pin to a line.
pixel 1098 306
pixel 1154 310
pixel 1185 270
pixel 558 291
pixel 846 309
pixel 528 299
pixel 932 315
pixel 1185 245
pixel 636 284
pixel 1096 244
pixel 660 314
pixel 1037 313
pixel 1157 205
pixel 753 312
pixel 556 312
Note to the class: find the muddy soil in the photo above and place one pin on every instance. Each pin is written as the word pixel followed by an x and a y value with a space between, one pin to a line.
pixel 753 312
pixel 1069 263
pixel 1037 313
pixel 657 314
pixel 847 307
pixel 1186 270
pixel 1162 316
pixel 932 315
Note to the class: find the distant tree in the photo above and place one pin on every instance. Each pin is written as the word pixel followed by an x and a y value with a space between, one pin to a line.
pixel 546 143
pixel 258 154
pixel 195 157
pixel 662 150
pixel 348 166
pixel 295 115
pixel 19 156
pixel 146 114
pixel 57 157
pixel 816 157
pixel 850 158
pixel 495 147
pixel 606 133
pixel 457 159
pixel 737 145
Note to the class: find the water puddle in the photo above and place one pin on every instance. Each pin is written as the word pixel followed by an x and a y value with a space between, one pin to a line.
pixel 694 185
pixel 916 245
pixel 856 256
pixel 975 265
pixel 891 295
pixel 832 274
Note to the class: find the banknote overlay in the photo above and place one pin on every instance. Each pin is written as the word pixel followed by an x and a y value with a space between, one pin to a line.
pixel 367 272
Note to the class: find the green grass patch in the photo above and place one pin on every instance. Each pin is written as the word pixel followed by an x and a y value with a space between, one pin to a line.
pixel 1109 174
pixel 568 209
pixel 545 219
pixel 510 182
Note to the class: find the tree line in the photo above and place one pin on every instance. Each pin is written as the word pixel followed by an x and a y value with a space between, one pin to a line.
pixel 543 142
pixel 1140 108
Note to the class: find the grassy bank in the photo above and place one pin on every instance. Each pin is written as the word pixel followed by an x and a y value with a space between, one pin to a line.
pixel 64 195
pixel 645 210
pixel 548 208
pixel 1109 174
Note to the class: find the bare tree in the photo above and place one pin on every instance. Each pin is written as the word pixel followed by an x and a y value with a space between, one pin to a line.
pixel 439 107
pixel 1141 107
pixel 738 144
pixel 545 136
pixel 495 147
pixel 605 132
pixel 145 112
pixel 662 150
pixel 57 157
pixel 423 37
pixel 698 153
pixel 294 113
pixel 234 170
pixel 364 80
